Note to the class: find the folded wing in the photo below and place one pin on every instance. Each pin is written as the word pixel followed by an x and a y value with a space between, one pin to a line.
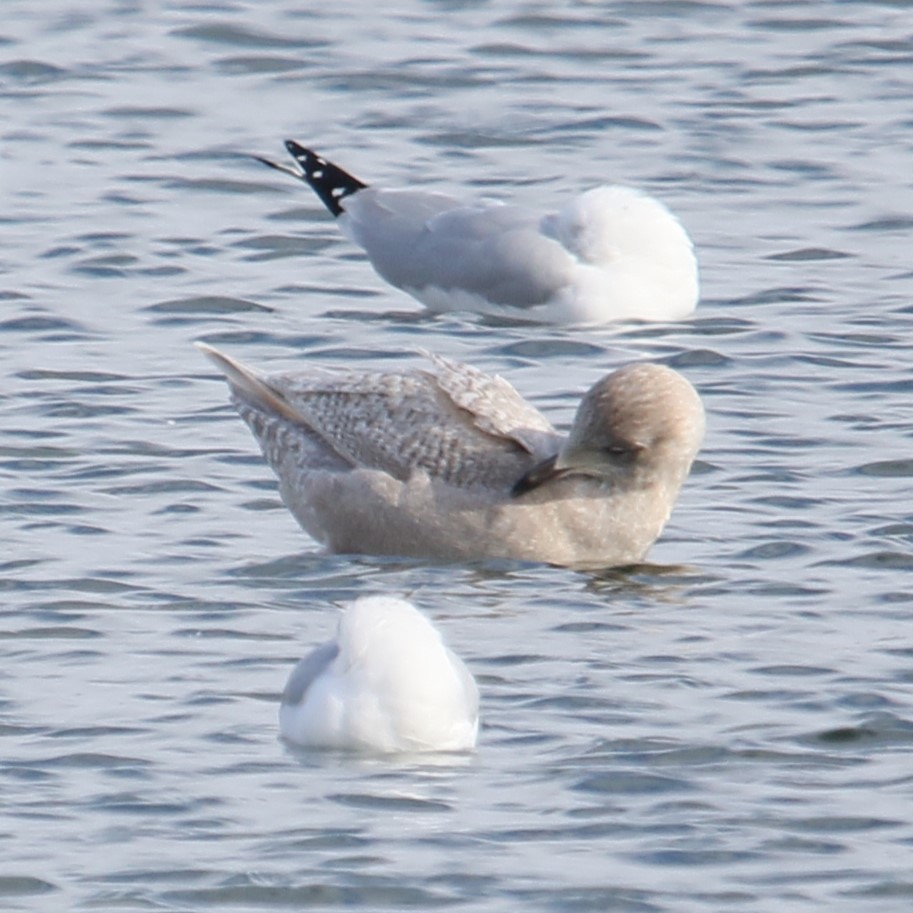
pixel 455 423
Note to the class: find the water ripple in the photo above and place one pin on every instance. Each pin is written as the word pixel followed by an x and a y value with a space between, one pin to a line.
pixel 726 727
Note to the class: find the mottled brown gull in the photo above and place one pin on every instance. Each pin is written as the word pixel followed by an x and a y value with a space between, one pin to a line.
pixel 453 463
pixel 386 683
pixel 611 253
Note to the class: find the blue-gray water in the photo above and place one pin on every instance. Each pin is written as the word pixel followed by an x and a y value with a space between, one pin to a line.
pixel 728 728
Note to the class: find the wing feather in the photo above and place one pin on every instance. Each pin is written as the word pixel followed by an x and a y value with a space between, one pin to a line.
pixel 455 423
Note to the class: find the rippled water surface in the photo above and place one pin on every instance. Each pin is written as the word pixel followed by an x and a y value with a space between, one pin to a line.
pixel 727 728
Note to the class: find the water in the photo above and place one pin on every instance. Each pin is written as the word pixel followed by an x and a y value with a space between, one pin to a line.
pixel 726 728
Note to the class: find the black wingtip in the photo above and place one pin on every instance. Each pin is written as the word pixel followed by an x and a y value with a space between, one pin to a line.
pixel 327 180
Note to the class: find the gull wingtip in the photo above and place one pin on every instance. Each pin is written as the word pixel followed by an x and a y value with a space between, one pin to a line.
pixel 279 166
pixel 223 362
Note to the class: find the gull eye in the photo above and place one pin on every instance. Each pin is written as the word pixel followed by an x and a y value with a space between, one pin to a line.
pixel 627 450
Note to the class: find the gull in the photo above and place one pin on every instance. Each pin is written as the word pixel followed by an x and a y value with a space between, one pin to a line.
pixel 611 253
pixel 387 683
pixel 452 463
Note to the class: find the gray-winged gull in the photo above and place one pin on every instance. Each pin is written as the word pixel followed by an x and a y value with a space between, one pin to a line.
pixel 612 253
pixel 453 463
pixel 386 683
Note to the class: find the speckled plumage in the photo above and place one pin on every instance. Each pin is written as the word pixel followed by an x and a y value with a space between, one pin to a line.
pixel 453 463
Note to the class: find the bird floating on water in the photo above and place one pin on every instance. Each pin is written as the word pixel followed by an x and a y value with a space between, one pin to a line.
pixel 612 253
pixel 452 463
pixel 387 683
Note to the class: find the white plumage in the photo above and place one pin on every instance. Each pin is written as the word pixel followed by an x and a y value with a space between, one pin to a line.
pixel 387 683
pixel 612 253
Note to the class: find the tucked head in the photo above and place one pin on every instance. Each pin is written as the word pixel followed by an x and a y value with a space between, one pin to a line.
pixel 642 424
pixel 643 411
pixel 387 683
pixel 609 222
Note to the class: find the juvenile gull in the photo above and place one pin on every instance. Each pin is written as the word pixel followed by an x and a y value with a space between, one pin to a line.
pixel 386 683
pixel 612 253
pixel 452 463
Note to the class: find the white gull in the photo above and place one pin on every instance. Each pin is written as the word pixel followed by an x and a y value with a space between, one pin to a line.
pixel 612 253
pixel 387 683
pixel 453 463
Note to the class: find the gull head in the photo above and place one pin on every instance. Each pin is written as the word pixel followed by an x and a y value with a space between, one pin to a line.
pixel 610 222
pixel 640 426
